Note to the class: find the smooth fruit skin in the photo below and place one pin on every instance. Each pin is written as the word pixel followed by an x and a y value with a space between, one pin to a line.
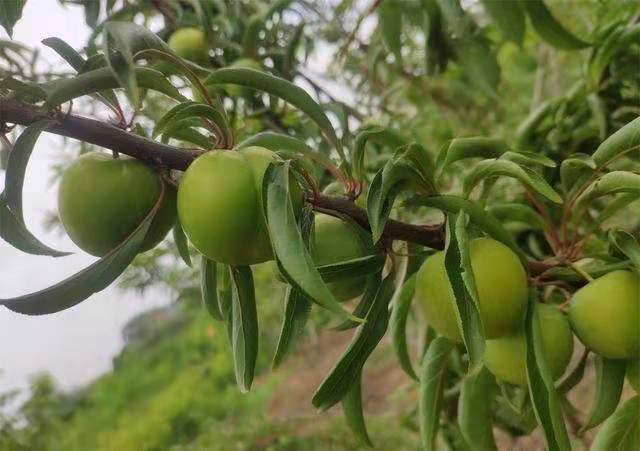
pixel 633 374
pixel 102 200
pixel 605 315
pixel 506 357
pixel 220 205
pixel 333 241
pixel 502 290
pixel 190 43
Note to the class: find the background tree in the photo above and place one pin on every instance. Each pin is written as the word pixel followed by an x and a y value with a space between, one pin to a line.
pixel 500 254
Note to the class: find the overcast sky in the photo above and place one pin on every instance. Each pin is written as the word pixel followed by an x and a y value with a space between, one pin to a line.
pixel 79 343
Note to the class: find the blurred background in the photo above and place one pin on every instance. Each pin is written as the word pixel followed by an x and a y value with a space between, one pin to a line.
pixel 141 365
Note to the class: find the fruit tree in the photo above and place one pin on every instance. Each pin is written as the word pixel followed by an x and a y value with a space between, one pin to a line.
pixel 467 191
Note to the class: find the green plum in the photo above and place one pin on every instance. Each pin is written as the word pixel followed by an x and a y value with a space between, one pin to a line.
pixel 220 205
pixel 505 357
pixel 337 189
pixel 605 315
pixel 101 201
pixel 190 43
pixel 502 290
pixel 334 241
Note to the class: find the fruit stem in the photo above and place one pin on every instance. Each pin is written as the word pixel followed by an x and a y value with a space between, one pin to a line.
pixel 581 272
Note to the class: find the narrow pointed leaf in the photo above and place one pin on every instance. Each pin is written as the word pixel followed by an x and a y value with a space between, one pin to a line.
pixel 432 381
pixel 621 432
pixel 282 89
pixel 90 280
pixel 61 91
pixel 244 321
pixel 474 410
pixel 461 148
pixel 616 182
pixel 375 134
pixel 398 325
pixel 628 245
pixel 575 376
pixel 515 212
pixel 195 110
pixel 545 399
pixel 180 239
pixel 529 159
pixel 287 241
pixel 548 27
pixel 574 168
pixel 350 268
pixel 352 408
pixel 364 304
pixel 209 287
pixel 10 13
pixel 609 382
pixel 494 168
pixel 627 139
pixel 367 336
pixel 457 263
pixel 297 305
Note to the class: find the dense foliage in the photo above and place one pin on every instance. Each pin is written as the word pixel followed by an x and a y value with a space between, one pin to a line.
pixel 471 186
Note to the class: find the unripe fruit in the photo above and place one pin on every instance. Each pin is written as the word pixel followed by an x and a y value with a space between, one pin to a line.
pixel 337 189
pixel 334 241
pixel 502 290
pixel 102 200
pixel 506 357
pixel 605 315
pixel 220 205
pixel 633 374
pixel 190 43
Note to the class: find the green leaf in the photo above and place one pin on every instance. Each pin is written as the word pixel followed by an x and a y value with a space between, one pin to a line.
pixel 352 408
pixel 515 212
pixel 461 148
pixel 495 168
pixel 282 89
pixel 349 268
pixel 180 239
pixel 63 90
pixel 122 40
pixel 92 279
pixel 184 131
pixel 437 52
pixel 377 134
pixel 621 142
pixel 296 313
pixel 202 111
pixel 10 13
pixel 390 23
pixel 288 244
pixel 617 40
pixel 209 288
pixel 244 326
pixel 457 261
pixel 67 52
pixel 527 128
pixel 575 376
pixel 14 232
pixel 575 168
pixel 410 167
pixel 621 432
pixel 524 158
pixel 609 381
pixel 548 28
pixel 23 90
pixel 509 18
pixel 91 12
pixel 627 244
pixel 17 165
pixel 398 325
pixel 479 64
pixel 12 226
pixel 482 219
pixel 474 410
pixel 546 401
pixel 286 146
pixel 367 336
pixel 616 182
pixel 364 304
pixel 297 305
pixel 432 380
